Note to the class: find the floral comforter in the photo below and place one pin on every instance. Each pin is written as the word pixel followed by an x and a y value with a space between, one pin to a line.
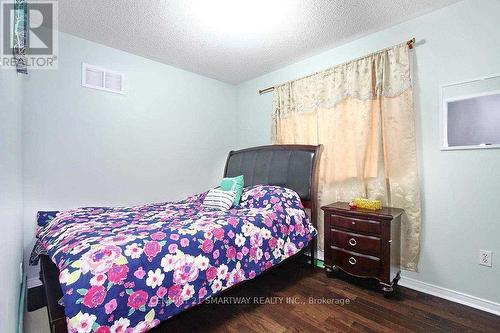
pixel 127 269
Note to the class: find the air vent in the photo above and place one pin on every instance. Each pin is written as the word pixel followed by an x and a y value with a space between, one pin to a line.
pixel 102 79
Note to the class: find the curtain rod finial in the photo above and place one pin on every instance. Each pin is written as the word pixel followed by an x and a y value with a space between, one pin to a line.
pixel 264 91
pixel 410 43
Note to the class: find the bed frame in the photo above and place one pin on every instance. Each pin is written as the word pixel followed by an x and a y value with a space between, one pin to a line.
pixel 291 166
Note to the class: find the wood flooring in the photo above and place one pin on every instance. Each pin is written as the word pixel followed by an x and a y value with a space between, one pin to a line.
pixel 298 298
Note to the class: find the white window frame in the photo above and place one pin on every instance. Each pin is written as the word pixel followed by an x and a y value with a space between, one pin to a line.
pixel 104 70
pixel 444 113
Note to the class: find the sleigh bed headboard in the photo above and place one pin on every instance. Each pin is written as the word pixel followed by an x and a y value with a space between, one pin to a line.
pixel 291 166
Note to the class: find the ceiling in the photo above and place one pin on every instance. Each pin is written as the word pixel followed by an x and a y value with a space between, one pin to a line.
pixel 232 40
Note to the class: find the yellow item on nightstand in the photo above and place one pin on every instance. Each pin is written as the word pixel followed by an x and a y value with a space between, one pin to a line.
pixel 367 203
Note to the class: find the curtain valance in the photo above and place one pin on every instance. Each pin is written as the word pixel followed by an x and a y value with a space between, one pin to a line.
pixel 384 73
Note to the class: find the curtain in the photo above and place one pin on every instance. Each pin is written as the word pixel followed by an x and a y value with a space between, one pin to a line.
pixel 362 113
pixel 20 35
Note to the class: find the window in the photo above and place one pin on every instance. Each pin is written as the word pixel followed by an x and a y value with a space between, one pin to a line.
pixel 471 114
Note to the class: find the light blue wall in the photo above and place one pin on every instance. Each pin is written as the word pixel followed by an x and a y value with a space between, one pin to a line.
pixel 167 137
pixel 460 188
pixel 11 230
pixel 169 134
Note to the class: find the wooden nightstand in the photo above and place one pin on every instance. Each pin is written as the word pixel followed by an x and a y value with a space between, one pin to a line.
pixel 363 243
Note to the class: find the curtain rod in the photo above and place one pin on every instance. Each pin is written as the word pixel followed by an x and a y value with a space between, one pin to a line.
pixel 410 43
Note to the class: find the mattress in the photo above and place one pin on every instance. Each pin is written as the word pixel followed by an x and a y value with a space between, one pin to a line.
pixel 129 268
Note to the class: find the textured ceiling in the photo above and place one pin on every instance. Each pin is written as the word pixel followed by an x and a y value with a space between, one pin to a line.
pixel 232 40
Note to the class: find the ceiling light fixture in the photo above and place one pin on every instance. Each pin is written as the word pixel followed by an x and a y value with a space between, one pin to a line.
pixel 241 18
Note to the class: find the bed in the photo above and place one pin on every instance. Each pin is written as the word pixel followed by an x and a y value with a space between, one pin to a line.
pixel 118 268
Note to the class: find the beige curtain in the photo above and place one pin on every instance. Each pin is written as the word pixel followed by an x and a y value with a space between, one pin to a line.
pixel 362 113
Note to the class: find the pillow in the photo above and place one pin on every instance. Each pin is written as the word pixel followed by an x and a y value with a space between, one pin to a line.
pixel 268 196
pixel 233 184
pixel 219 199
pixel 44 217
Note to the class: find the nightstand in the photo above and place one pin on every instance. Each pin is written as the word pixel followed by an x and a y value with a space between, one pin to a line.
pixel 363 243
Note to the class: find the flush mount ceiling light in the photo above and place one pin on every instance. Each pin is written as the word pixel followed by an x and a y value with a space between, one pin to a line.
pixel 241 18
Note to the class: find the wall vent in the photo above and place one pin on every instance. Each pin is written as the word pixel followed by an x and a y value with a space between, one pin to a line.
pixel 102 79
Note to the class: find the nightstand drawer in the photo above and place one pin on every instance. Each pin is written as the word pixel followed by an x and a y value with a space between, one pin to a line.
pixel 356 242
pixel 353 224
pixel 355 263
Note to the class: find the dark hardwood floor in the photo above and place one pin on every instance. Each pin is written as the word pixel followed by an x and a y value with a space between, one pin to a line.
pixel 279 301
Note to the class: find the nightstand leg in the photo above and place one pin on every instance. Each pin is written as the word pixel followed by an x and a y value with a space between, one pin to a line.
pixel 386 288
pixel 389 289
pixel 330 271
pixel 396 280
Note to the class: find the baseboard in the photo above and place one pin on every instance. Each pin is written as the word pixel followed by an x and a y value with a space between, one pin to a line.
pixel 451 295
pixel 34 282
pixel 427 288
pixel 22 300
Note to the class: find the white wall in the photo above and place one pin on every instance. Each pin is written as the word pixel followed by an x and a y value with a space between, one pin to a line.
pixel 166 138
pixel 460 188
pixel 11 236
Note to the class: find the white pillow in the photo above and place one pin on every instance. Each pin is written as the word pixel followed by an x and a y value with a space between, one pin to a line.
pixel 219 199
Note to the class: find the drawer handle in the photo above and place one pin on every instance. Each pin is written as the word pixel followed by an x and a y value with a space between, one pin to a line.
pixel 352 260
pixel 352 242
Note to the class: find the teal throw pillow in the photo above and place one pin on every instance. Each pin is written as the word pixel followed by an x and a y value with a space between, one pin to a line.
pixel 233 184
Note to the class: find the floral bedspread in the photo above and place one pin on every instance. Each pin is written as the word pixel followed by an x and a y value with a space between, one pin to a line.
pixel 126 269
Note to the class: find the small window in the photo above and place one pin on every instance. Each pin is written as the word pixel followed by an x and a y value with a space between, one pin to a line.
pixel 471 114
pixel 102 79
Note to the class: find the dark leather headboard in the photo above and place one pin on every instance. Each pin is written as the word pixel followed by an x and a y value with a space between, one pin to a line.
pixel 290 166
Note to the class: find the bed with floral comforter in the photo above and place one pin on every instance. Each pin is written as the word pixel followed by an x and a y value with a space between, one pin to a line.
pixel 126 269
